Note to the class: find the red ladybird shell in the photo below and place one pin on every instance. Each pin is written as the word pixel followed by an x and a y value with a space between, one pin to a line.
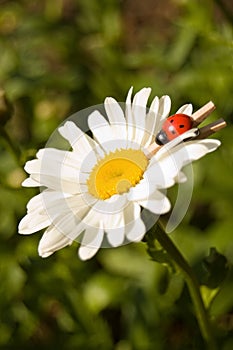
pixel 176 125
pixel 173 126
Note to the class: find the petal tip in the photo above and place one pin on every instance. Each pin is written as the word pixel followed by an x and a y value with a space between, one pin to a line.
pixel 86 253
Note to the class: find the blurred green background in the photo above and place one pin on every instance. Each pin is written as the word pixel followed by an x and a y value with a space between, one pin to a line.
pixel 57 57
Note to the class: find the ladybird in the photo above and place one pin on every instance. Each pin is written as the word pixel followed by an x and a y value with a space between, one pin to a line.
pixel 173 126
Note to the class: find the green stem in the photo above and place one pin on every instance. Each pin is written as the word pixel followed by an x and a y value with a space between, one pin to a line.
pixel 192 283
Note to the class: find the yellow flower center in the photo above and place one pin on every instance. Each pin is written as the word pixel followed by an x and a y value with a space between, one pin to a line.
pixel 116 173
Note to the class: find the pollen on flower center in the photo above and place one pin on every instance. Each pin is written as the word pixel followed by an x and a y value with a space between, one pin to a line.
pixel 116 173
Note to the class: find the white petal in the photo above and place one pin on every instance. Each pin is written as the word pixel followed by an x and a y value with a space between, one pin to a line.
pixel 166 149
pixel 134 226
pixel 71 224
pixel 114 111
pixel 107 135
pixel 36 203
pixel 141 191
pixel 116 118
pixel 140 99
pixel 91 159
pixel 70 163
pixel 157 203
pixel 210 144
pixel 29 182
pixel 186 109
pixel 116 236
pixel 128 108
pixel 58 155
pixel 168 166
pixel 60 170
pixel 164 107
pixel 181 178
pixel 59 184
pixel 158 177
pixel 93 218
pixel 49 200
pixel 45 199
pixel 53 207
pixel 99 127
pixel 112 205
pixel 53 161
pixel 159 110
pixel 152 121
pixel 129 116
pixel 131 212
pixel 33 166
pixel 139 113
pixel 32 223
pixel 77 206
pixel 154 107
pixel 139 106
pixel 91 243
pixel 51 241
pixel 70 132
pixel 67 163
pixel 163 112
pixel 114 226
pixel 38 216
pixel 198 149
pixel 137 231
pixel 79 141
pixel 175 159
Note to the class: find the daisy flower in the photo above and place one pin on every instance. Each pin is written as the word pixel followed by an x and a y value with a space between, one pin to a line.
pixel 95 192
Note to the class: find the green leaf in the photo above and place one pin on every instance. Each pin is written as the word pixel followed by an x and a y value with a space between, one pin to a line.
pixel 208 295
pixel 217 267
pixel 154 249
